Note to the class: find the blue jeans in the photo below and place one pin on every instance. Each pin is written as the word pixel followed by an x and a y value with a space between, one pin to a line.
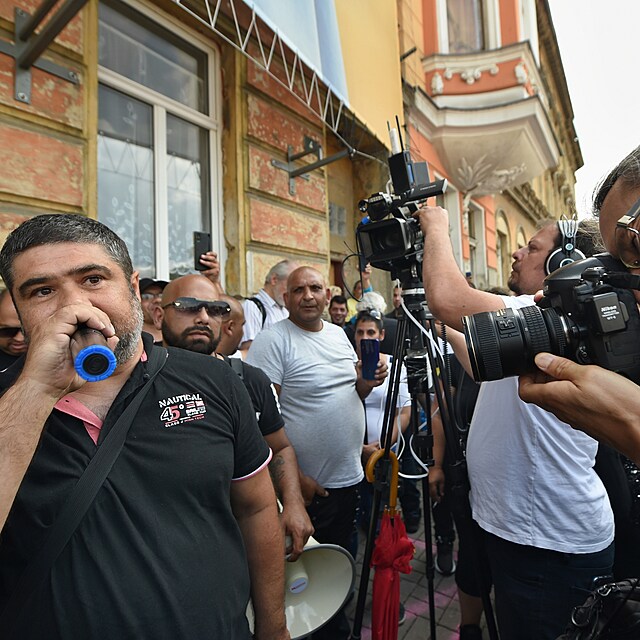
pixel 536 589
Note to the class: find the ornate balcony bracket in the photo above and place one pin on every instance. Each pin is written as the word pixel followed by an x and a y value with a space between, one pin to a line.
pixel 471 75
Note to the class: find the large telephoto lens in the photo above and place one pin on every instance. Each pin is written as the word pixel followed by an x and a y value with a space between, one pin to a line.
pixel 504 343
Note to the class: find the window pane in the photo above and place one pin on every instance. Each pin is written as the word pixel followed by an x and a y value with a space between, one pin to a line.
pixel 188 192
pixel 465 21
pixel 140 50
pixel 125 174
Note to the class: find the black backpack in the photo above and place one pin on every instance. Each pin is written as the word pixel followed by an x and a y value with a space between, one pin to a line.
pixel 263 311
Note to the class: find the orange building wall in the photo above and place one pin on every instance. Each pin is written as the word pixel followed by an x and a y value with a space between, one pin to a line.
pixel 510 27
pixel 430 27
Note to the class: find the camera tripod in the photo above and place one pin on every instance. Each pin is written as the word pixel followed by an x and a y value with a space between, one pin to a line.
pixel 411 347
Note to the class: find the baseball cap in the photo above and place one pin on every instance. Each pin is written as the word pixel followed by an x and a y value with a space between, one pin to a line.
pixel 145 283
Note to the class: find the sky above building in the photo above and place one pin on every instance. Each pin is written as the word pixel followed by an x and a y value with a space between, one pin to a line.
pixel 598 44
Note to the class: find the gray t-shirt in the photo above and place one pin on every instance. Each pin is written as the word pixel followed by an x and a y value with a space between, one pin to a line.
pixel 323 414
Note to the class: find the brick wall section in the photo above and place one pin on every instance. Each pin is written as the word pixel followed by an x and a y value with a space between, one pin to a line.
pixel 264 177
pixel 52 99
pixel 40 166
pixel 281 225
pixel 44 144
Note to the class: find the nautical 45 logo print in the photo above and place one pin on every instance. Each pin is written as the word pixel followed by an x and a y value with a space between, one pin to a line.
pixel 183 408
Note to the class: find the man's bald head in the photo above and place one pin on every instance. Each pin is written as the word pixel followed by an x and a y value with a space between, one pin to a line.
pixel 306 298
pixel 189 286
pixel 231 334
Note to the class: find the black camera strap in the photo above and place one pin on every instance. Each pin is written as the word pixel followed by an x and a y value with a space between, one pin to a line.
pixel 78 502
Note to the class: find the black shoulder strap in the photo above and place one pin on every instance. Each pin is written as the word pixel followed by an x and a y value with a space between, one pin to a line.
pixel 78 502
pixel 238 366
pixel 260 306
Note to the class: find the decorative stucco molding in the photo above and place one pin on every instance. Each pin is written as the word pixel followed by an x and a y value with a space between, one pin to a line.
pixel 471 74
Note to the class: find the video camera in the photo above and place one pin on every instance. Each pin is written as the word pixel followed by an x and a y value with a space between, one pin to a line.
pixel 397 243
pixel 588 314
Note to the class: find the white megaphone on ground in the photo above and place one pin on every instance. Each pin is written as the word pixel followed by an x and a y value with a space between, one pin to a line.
pixel 317 586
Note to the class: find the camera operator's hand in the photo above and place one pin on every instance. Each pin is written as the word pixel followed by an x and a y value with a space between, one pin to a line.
pixel 446 287
pixel 49 366
pixel 432 219
pixel 597 401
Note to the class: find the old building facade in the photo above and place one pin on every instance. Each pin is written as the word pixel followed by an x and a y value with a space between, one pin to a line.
pixel 163 118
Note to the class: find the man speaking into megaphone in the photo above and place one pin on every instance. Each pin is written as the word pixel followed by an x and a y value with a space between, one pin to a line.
pixel 137 506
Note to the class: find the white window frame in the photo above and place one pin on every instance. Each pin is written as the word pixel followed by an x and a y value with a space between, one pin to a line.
pixel 452 205
pixel 529 26
pixel 479 268
pixel 491 26
pixel 161 104
pixel 502 229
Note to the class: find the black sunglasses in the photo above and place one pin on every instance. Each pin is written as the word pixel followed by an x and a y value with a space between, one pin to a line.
pixel 215 308
pixel 9 332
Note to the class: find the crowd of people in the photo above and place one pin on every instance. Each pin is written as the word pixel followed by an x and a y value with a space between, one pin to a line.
pixel 244 402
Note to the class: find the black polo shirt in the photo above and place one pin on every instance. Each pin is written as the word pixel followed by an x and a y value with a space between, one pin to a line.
pixel 159 554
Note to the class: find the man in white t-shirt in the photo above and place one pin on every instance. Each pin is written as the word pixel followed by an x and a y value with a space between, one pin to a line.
pixel 267 306
pixel 313 367
pixel 546 515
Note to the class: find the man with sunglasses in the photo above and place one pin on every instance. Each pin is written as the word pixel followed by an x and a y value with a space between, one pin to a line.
pixel 12 342
pixel 600 402
pixel 191 318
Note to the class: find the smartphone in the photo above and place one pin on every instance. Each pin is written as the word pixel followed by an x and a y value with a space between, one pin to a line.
pixel 201 244
pixel 362 263
pixel 370 355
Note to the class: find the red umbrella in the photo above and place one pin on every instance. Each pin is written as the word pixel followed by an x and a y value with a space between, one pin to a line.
pixel 392 554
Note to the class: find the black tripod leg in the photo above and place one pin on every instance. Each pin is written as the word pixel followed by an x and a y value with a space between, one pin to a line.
pixel 430 571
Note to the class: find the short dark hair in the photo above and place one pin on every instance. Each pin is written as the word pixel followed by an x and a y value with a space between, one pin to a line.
pixel 370 315
pixel 628 171
pixel 58 228
pixel 338 300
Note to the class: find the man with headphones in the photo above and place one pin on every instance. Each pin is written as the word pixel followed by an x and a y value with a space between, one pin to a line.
pixel 546 517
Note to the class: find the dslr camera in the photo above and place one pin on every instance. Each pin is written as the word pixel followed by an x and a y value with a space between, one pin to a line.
pixel 588 314
pixel 397 243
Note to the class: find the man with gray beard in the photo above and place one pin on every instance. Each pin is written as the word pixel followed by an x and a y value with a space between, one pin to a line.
pixel 185 527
